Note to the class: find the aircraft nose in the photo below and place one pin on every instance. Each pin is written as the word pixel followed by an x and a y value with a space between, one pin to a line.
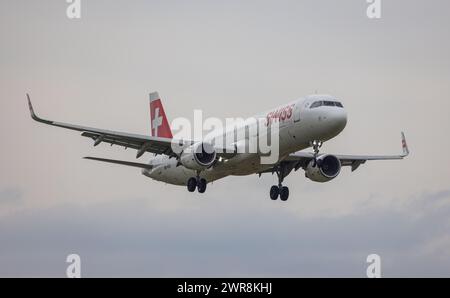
pixel 338 119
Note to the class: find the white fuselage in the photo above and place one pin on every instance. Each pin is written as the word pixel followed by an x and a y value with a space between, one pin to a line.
pixel 304 125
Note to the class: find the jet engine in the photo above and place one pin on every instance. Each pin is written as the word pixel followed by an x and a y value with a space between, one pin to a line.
pixel 199 156
pixel 325 168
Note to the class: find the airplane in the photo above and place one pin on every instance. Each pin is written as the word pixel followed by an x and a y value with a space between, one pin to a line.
pixel 303 123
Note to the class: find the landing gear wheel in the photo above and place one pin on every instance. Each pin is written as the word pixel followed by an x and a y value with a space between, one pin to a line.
pixel 274 191
pixel 201 185
pixel 284 193
pixel 191 184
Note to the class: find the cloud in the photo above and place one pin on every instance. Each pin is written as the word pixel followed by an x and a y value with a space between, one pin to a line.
pixel 130 238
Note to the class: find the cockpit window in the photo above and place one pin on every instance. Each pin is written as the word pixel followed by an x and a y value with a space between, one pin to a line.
pixel 327 103
pixel 316 104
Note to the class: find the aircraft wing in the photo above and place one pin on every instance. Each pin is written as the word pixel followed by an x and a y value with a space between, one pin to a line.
pixel 141 143
pixel 301 159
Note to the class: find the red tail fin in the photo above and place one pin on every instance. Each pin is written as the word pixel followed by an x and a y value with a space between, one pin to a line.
pixel 158 121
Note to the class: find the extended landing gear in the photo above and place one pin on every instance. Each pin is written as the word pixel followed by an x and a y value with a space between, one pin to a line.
pixel 316 145
pixel 274 192
pixel 201 185
pixel 284 193
pixel 280 190
pixel 192 184
pixel 196 183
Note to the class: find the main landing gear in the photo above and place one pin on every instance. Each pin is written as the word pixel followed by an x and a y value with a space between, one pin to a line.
pixel 280 190
pixel 285 168
pixel 196 182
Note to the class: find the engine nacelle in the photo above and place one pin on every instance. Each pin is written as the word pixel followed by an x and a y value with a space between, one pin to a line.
pixel 199 156
pixel 327 168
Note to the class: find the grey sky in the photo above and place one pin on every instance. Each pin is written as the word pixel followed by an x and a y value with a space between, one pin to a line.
pixel 230 59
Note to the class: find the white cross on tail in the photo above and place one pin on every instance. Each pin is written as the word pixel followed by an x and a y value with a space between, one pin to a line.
pixel 156 122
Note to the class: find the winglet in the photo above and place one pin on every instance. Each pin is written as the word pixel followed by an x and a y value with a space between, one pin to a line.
pixel 404 146
pixel 33 114
pixel 30 106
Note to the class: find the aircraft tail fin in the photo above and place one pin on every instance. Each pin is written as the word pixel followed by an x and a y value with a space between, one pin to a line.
pixel 158 120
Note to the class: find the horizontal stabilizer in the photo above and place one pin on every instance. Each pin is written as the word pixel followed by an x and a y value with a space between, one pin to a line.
pixel 122 162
